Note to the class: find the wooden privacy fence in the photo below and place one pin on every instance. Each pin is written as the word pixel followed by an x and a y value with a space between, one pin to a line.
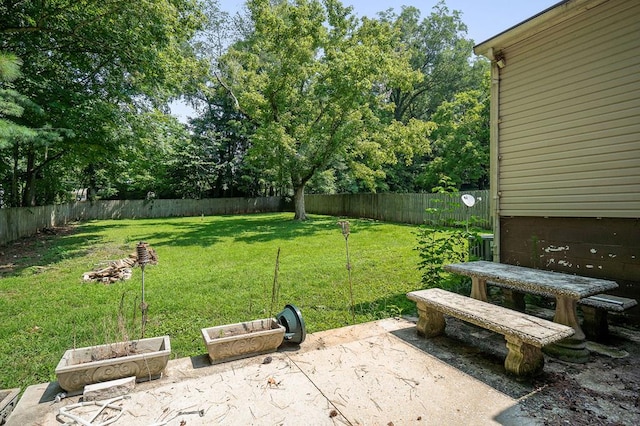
pixel 434 209
pixel 438 209
pixel 24 221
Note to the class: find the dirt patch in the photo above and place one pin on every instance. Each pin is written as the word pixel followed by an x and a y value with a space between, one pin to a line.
pixel 28 252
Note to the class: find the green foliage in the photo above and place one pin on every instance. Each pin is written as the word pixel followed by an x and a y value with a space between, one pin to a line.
pixel 18 137
pixel 11 102
pixel 461 141
pixel 212 271
pixel 308 94
pixel 440 246
pixel 440 51
pixel 90 66
pixel 144 152
pixel 309 77
pixel 214 162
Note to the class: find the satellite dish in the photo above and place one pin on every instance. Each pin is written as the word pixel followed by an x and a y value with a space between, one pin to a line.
pixel 468 200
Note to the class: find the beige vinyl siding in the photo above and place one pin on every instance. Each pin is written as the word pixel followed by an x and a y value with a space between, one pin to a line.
pixel 569 130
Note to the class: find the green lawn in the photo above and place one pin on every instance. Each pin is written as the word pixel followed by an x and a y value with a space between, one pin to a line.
pixel 212 270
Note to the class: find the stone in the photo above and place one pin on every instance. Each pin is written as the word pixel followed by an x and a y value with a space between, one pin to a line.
pixel 144 358
pixel 240 340
pixel 108 390
pixel 525 335
pixel 8 400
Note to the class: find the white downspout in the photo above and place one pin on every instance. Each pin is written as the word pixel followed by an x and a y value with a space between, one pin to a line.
pixel 494 151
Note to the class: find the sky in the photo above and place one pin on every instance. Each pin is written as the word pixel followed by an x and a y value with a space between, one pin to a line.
pixel 484 18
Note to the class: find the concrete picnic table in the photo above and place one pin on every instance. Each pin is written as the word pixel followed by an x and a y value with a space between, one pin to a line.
pixel 567 289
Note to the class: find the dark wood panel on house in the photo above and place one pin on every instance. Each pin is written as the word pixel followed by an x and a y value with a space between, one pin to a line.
pixel 606 248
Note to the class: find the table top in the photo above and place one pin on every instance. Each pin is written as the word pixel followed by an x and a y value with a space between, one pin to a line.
pixel 533 280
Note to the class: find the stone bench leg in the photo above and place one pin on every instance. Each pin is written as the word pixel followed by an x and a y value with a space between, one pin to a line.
pixel 596 323
pixel 514 299
pixel 430 322
pixel 479 289
pixel 573 348
pixel 523 359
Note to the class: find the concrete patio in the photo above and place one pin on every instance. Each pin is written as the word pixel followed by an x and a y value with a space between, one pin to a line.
pixel 369 374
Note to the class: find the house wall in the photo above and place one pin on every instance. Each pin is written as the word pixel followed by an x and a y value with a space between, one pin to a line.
pixel 569 117
pixel 607 248
pixel 565 144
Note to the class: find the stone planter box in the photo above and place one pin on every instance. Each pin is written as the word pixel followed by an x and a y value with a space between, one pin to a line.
pixel 144 358
pixel 8 400
pixel 240 340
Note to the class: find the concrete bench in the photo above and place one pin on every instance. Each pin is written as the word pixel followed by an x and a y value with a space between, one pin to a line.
pixel 594 308
pixel 525 334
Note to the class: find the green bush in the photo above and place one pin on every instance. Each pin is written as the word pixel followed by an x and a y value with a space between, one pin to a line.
pixel 441 246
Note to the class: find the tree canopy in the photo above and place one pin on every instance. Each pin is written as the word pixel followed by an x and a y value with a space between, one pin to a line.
pixel 90 66
pixel 441 52
pixel 309 78
pixel 461 142
pixel 290 95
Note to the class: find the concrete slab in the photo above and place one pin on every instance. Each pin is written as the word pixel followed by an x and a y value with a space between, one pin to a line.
pixel 381 380
pixel 357 375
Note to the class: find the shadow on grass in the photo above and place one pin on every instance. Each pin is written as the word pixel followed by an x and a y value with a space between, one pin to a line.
pixel 44 249
pixel 386 307
pixel 207 231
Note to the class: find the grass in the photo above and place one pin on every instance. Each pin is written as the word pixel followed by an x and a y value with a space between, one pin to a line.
pixel 212 271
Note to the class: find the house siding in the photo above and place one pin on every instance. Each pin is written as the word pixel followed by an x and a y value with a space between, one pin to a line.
pixel 569 118
pixel 607 248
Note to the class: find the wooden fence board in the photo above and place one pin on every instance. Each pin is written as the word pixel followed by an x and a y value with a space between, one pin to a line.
pixel 21 222
pixel 445 209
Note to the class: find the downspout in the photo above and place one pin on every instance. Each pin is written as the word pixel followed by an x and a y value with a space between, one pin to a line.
pixel 497 63
pixel 494 155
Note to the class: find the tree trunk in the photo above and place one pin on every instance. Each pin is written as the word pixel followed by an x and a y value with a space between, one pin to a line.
pixel 14 197
pixel 29 194
pixel 298 200
pixel 92 186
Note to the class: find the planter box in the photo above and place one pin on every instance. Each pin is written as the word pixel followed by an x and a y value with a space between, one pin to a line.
pixel 144 359
pixel 8 400
pixel 244 339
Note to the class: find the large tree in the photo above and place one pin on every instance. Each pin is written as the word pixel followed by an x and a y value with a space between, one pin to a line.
pixel 442 53
pixel 92 65
pixel 310 77
pixel 212 163
pixel 11 101
pixel 13 134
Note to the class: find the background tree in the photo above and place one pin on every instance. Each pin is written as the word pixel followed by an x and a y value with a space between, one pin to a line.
pixel 460 152
pixel 139 168
pixel 91 66
pixel 15 136
pixel 215 157
pixel 444 56
pixel 309 78
pixel 11 101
